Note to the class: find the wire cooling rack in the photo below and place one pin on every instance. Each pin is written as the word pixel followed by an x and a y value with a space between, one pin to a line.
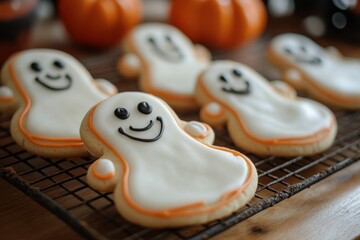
pixel 60 185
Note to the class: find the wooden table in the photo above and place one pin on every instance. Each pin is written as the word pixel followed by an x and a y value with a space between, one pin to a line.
pixel 328 210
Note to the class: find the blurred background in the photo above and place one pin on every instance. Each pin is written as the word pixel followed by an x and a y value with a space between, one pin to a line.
pixel 23 22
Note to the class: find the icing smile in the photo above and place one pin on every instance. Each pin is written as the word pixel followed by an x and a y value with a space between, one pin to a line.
pixel 237 75
pixel 302 59
pixel 37 68
pixel 148 127
pixel 67 84
pixel 244 91
pixel 172 54
pixel 315 60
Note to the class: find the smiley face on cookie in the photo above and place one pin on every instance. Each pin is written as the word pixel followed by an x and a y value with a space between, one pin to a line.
pixel 259 116
pixel 168 62
pixel 146 109
pixel 51 92
pixel 322 73
pixel 54 80
pixel 162 170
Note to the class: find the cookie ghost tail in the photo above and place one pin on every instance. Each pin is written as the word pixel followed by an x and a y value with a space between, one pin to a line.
pixel 162 170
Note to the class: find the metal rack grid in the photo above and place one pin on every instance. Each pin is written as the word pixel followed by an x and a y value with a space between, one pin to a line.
pixel 60 185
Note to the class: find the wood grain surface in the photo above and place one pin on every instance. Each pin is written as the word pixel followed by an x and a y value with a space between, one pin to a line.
pixel 328 210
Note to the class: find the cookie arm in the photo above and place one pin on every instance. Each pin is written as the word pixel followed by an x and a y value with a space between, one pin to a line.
pixel 284 89
pixel 202 53
pixel 101 175
pixel 6 98
pixel 213 113
pixel 200 131
pixel 129 65
pixel 334 52
pixel 106 87
pixel 294 78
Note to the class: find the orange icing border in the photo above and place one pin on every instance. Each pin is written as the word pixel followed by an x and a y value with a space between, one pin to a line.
pixel 181 211
pixel 304 140
pixel 38 140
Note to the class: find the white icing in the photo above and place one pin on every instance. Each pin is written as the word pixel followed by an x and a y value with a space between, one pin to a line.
pixel 265 113
pixel 105 167
pixel 284 88
pixel 106 86
pixel 178 77
pixel 56 114
pixel 175 170
pixel 132 61
pixel 5 92
pixel 338 75
pixel 294 75
pixel 213 108
pixel 195 129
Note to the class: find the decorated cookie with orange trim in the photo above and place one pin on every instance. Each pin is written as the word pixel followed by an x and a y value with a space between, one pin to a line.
pixel 323 73
pixel 50 93
pixel 163 171
pixel 166 60
pixel 263 118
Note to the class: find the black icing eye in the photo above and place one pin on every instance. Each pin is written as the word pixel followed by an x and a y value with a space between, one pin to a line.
pixel 144 108
pixel 151 40
pixel 121 113
pixel 222 78
pixel 168 38
pixel 237 73
pixel 35 66
pixel 58 64
pixel 303 48
pixel 287 50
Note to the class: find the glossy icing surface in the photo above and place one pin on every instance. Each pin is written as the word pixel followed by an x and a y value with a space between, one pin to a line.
pixel 171 58
pixel 265 113
pixel 173 171
pixel 58 104
pixel 105 167
pixel 336 74
pixel 5 93
pixel 196 129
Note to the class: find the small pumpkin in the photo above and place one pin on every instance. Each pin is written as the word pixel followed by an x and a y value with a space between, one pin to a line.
pixel 219 23
pixel 99 23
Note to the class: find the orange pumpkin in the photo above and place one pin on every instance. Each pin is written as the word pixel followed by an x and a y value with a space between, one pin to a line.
pixel 219 23
pixel 99 23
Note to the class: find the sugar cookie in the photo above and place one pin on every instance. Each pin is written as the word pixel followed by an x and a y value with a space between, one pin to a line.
pixel 323 73
pixel 260 117
pixel 163 171
pixel 50 93
pixel 168 62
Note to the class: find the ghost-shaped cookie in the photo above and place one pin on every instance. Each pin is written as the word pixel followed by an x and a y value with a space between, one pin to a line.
pixel 163 171
pixel 167 61
pixel 262 118
pixel 323 73
pixel 49 93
